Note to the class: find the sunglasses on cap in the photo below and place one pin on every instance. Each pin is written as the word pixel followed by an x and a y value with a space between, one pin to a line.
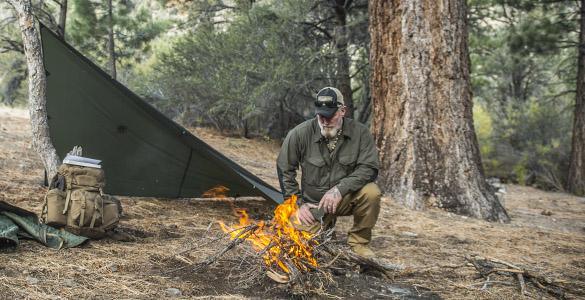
pixel 327 101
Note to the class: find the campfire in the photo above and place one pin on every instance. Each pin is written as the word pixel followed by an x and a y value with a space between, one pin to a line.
pixel 309 264
pixel 281 245
pixel 279 242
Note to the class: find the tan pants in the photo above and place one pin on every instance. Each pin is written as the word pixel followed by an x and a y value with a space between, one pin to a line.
pixel 364 205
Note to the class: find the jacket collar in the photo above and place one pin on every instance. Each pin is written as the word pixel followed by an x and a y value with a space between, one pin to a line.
pixel 317 137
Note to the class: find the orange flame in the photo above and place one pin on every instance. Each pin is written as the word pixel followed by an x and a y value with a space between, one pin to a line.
pixel 277 240
pixel 218 191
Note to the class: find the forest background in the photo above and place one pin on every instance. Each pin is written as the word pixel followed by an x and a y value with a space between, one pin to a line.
pixel 252 68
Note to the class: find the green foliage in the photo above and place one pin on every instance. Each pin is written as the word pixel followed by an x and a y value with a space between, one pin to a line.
pixel 134 27
pixel 256 73
pixel 483 128
pixel 12 67
pixel 523 74
pixel 12 79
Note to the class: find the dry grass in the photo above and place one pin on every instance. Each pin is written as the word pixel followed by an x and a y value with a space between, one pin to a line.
pixel 431 245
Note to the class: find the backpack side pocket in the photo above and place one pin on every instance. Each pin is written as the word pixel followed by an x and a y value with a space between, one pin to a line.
pixel 53 208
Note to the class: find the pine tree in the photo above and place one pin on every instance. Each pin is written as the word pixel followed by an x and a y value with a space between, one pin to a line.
pixel 422 119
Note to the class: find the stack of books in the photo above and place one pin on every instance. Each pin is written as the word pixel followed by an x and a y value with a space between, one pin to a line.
pixel 82 161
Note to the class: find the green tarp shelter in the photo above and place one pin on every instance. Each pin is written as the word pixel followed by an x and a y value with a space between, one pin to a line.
pixel 143 152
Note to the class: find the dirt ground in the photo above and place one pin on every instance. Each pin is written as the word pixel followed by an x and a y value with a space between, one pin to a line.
pixel 546 235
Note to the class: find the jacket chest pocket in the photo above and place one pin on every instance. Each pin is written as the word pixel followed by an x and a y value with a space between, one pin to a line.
pixel 314 171
pixel 347 164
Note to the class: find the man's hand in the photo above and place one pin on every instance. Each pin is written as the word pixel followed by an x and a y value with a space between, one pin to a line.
pixel 330 200
pixel 305 216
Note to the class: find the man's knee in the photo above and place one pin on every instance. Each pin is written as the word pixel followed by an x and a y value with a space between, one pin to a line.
pixel 372 193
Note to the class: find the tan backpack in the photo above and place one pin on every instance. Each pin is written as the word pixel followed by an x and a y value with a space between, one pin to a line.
pixel 75 201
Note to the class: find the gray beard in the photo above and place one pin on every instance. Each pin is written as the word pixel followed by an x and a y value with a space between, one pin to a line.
pixel 329 133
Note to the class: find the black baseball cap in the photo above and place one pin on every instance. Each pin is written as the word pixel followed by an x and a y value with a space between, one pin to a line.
pixel 329 99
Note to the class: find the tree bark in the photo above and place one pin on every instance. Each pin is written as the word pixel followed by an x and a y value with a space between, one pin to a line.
pixel 111 46
pixel 422 118
pixel 36 86
pixel 576 179
pixel 62 19
pixel 343 79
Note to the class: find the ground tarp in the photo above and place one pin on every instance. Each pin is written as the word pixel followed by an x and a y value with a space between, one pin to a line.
pixel 17 223
pixel 143 152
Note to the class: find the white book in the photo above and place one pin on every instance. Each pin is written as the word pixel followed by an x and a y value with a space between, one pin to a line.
pixel 82 161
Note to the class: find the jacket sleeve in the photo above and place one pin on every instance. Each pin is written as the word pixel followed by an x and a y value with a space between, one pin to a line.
pixel 287 165
pixel 366 169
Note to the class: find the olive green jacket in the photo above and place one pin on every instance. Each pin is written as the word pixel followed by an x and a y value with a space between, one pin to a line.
pixel 352 164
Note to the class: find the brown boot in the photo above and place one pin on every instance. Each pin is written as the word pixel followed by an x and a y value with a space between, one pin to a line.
pixel 363 250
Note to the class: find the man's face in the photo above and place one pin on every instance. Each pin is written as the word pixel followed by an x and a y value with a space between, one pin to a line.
pixel 330 127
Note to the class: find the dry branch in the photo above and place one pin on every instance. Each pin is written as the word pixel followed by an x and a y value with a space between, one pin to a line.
pixel 489 266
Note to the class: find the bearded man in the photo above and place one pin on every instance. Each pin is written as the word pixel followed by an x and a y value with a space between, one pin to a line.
pixel 339 164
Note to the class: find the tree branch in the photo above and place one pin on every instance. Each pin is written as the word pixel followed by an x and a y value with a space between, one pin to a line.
pixel 12 45
pixel 359 70
pixel 58 3
pixel 320 29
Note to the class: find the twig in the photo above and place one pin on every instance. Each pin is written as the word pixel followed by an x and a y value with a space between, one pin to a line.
pixel 510 270
pixel 499 261
pixel 522 284
pixel 487 282
pixel 238 240
pixel 327 265
pixel 245 232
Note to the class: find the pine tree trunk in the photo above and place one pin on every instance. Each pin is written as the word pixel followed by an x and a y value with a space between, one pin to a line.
pixel 36 86
pixel 62 19
pixel 422 117
pixel 343 79
pixel 111 46
pixel 576 179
